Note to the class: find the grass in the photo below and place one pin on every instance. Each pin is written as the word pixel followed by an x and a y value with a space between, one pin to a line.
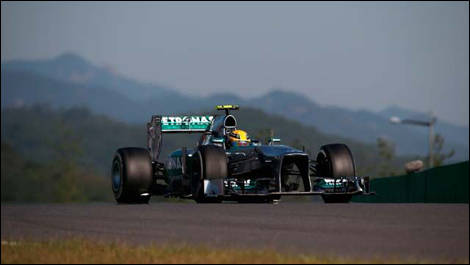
pixel 88 251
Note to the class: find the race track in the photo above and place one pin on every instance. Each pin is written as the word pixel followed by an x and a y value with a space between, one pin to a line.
pixel 424 231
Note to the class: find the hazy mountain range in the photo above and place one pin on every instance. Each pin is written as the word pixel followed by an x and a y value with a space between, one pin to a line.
pixel 69 80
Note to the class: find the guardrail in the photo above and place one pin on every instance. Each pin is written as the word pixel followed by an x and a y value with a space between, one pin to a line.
pixel 444 184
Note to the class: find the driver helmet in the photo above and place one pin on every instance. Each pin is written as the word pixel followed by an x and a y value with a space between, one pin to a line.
pixel 238 138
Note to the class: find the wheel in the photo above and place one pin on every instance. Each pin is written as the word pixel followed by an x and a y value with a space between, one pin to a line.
pixel 335 160
pixel 131 176
pixel 212 164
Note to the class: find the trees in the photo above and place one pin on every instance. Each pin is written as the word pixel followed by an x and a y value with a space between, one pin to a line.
pixel 75 147
pixel 60 180
pixel 386 151
pixel 387 164
pixel 438 156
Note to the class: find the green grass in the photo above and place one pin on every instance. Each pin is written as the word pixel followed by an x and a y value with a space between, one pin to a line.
pixel 88 251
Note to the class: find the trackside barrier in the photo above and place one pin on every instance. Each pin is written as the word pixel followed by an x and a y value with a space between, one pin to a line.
pixel 444 184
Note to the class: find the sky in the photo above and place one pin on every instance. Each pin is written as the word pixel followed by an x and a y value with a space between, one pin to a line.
pixel 358 55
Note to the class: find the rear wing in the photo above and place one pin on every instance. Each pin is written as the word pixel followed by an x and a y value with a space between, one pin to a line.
pixel 173 124
pixel 181 124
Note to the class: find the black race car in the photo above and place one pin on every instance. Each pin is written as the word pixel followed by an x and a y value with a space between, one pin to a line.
pixel 227 165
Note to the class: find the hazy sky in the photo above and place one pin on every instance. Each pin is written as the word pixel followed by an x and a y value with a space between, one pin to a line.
pixel 354 54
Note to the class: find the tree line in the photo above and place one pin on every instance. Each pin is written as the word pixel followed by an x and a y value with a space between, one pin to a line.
pixel 62 155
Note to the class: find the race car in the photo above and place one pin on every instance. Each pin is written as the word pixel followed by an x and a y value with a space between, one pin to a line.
pixel 228 165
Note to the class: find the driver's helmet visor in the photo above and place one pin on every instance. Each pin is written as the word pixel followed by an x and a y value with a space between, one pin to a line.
pixel 239 135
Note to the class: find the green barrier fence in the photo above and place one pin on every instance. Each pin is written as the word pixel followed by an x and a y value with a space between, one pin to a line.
pixel 445 184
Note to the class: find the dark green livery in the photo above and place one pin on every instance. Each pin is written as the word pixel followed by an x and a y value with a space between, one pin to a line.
pixel 219 168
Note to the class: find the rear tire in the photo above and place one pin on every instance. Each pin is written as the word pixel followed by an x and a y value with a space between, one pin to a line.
pixel 131 175
pixel 335 160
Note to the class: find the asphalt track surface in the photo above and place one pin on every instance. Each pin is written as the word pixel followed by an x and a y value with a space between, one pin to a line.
pixel 423 231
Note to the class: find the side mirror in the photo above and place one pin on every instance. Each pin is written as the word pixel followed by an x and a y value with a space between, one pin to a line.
pixel 273 140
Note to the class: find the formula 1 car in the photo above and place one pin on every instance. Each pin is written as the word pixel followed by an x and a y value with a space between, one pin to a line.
pixel 226 165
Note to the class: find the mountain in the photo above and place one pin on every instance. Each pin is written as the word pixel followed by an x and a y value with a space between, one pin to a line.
pixel 26 88
pixel 69 80
pixel 72 68
pixel 362 125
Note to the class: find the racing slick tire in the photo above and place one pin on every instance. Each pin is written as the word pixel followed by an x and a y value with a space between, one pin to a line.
pixel 131 175
pixel 335 160
pixel 213 165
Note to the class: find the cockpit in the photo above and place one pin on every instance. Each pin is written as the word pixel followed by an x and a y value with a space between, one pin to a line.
pixel 224 132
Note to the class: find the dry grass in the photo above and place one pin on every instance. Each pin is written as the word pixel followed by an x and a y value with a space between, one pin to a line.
pixel 87 251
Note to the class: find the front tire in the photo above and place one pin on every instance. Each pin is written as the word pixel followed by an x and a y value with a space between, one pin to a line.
pixel 211 164
pixel 131 176
pixel 335 160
